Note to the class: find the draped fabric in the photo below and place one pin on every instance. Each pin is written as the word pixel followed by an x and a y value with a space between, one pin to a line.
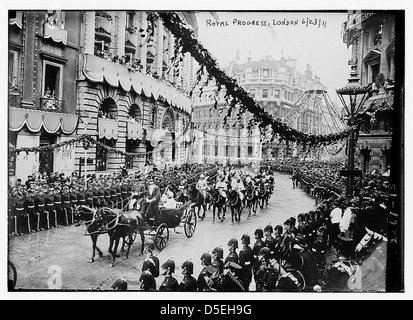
pixel 157 136
pixel 134 131
pixel 97 69
pixel 35 120
pixel 57 35
pixel 108 128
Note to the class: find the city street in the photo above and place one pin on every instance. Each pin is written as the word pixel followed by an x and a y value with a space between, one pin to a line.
pixel 59 258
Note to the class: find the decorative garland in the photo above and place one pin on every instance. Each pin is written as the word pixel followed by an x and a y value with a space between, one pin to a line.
pixel 186 41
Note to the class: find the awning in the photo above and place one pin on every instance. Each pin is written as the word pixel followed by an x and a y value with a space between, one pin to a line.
pixel 97 69
pixel 35 120
pixel 54 32
pixel 108 128
pixel 134 131
pixel 157 136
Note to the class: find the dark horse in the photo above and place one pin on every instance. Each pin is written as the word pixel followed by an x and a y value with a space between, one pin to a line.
pixel 199 201
pixel 218 203
pixel 116 224
pixel 235 205
pixel 263 195
pixel 119 224
pixel 251 199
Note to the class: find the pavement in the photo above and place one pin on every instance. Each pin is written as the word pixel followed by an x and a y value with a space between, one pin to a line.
pixel 58 259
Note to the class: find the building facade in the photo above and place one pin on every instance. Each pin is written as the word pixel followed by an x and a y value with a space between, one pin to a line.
pixel 104 73
pixel 371 37
pixel 280 90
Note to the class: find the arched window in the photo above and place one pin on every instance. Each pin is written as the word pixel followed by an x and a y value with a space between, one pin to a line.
pixel 135 114
pixel 108 109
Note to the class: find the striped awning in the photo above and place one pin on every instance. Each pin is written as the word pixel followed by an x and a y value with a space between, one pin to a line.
pixel 36 120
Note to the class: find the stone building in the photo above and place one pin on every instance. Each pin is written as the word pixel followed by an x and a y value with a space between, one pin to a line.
pixel 371 36
pixel 279 89
pixel 108 78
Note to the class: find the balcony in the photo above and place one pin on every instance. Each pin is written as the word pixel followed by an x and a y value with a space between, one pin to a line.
pixel 56 32
pixel 129 43
pixel 134 130
pixel 107 128
pixel 103 27
pixel 37 119
pixel 150 58
pixel 51 104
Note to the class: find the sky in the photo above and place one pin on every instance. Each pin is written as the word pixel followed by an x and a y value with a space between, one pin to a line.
pixel 321 45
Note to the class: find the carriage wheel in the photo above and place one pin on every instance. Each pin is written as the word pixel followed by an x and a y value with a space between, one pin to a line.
pixel 12 275
pixel 190 223
pixel 134 234
pixel 161 236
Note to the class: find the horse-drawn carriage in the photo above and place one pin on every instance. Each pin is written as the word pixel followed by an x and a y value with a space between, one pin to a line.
pixel 164 219
pixel 119 224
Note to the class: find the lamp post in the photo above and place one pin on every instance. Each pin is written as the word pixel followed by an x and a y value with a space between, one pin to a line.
pixel 352 96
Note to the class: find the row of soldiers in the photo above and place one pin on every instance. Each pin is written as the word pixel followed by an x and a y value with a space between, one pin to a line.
pixel 245 262
pixel 38 205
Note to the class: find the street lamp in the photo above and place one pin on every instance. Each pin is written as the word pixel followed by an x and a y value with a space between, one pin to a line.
pixel 352 96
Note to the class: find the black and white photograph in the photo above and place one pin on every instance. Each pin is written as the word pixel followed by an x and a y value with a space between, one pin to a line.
pixel 197 152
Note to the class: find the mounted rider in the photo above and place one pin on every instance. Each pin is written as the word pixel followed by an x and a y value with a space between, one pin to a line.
pixel 202 186
pixel 221 186
pixel 238 186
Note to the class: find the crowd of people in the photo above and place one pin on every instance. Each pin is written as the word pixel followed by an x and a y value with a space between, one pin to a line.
pixel 319 250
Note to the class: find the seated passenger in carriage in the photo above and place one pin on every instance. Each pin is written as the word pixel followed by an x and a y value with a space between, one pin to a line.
pixel 149 205
pixel 170 202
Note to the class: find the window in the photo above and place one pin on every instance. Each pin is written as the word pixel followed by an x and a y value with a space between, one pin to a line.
pixel 249 151
pixel 276 93
pixel 52 86
pixel 152 117
pixel 265 93
pixel 377 34
pixel 252 93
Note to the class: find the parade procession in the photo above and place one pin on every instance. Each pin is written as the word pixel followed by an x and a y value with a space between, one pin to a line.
pixel 141 157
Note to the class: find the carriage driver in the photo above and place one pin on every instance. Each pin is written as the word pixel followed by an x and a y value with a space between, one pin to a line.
pixel 152 199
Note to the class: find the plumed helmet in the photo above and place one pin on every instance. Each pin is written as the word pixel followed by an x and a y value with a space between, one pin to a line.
pixel 268 228
pixel 188 266
pixel 149 244
pixel 264 251
pixel 259 233
pixel 219 252
pixel 147 279
pixel 169 264
pixel 246 239
pixel 206 258
pixel 233 242
pixel 120 285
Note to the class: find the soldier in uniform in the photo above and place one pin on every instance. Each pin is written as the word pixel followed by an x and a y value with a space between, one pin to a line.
pixel 89 196
pixel 19 211
pixel 96 199
pixel 151 262
pixel 230 279
pixel 107 196
pixel 63 215
pixel 114 196
pixel 303 260
pixel 278 238
pixel 101 195
pixel 51 215
pixel 319 249
pixel 232 248
pixel 259 243
pixel 205 273
pixel 125 189
pixel 269 240
pixel 30 211
pixel 40 208
pixel 217 256
pixel 147 280
pixel 188 283
pixel 120 285
pixel 169 283
pixel 246 257
pixel 265 279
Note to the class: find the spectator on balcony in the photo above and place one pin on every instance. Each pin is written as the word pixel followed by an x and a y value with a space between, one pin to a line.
pixel 50 101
